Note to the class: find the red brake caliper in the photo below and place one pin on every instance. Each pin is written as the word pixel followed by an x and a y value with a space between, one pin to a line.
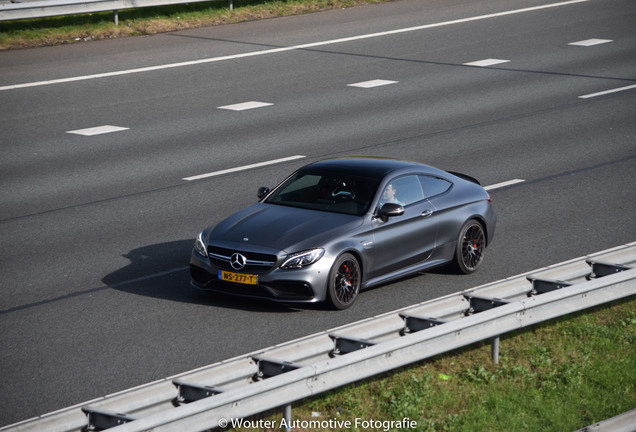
pixel 347 275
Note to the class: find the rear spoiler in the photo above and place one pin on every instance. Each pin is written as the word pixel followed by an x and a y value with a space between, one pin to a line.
pixel 465 177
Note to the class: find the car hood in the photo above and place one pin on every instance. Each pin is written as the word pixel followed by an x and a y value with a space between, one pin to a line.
pixel 283 228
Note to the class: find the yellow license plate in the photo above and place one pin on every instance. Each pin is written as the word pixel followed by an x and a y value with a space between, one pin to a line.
pixel 241 278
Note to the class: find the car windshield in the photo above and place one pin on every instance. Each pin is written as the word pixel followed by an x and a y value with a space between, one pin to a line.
pixel 331 192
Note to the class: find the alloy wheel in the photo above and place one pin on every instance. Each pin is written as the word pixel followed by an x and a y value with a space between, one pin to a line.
pixel 472 247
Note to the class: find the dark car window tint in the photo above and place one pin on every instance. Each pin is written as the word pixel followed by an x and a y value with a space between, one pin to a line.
pixel 434 185
pixel 331 192
pixel 300 189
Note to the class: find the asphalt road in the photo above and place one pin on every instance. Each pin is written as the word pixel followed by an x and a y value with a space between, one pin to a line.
pixel 96 228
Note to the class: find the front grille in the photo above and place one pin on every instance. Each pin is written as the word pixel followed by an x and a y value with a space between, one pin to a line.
pixel 256 262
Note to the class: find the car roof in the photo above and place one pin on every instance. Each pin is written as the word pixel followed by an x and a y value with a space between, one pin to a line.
pixel 368 166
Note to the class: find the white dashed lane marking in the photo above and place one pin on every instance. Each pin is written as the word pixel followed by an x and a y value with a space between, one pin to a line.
pixel 99 130
pixel 243 168
pixel 503 184
pixel 245 106
pixel 590 42
pixel 486 62
pixel 372 83
pixel 602 93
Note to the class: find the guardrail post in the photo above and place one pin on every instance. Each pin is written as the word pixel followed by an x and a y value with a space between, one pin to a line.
pixel 100 419
pixel 116 17
pixel 287 416
pixel 231 5
pixel 495 350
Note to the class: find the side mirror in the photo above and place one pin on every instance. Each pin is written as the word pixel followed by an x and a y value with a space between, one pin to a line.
pixel 389 210
pixel 262 191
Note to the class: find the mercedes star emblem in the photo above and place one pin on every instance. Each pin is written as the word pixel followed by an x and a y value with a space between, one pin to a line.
pixel 237 261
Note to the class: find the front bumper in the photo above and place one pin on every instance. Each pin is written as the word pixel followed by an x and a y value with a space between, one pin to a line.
pixel 304 285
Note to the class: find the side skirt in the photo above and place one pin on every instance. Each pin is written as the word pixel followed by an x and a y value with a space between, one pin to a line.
pixel 440 256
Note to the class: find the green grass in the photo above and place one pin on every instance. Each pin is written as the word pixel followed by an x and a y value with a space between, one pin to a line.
pixel 558 376
pixel 152 20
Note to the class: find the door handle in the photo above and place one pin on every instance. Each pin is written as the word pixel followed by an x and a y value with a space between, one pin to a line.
pixel 426 213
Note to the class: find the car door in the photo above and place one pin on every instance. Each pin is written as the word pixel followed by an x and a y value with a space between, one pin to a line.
pixel 409 239
pixel 449 210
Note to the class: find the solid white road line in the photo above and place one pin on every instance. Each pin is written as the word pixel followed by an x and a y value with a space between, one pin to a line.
pixel 292 48
pixel 591 95
pixel 97 130
pixel 503 184
pixel 243 168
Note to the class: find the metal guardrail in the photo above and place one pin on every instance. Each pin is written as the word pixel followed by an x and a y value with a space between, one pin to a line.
pixel 48 8
pixel 275 377
pixel 625 422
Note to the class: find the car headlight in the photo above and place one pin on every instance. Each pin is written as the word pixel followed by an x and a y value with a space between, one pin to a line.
pixel 199 246
pixel 301 259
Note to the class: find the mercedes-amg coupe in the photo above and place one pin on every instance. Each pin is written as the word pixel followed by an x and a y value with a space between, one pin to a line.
pixel 338 226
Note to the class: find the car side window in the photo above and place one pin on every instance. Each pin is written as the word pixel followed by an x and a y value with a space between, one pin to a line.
pixel 403 190
pixel 434 185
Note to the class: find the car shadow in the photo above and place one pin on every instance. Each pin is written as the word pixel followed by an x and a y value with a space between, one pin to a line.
pixel 161 271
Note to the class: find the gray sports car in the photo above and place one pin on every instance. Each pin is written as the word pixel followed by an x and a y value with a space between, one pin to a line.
pixel 338 226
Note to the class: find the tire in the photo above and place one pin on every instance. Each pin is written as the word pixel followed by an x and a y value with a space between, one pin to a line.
pixel 344 282
pixel 471 245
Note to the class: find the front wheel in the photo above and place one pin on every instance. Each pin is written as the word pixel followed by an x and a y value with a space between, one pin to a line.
pixel 470 247
pixel 344 281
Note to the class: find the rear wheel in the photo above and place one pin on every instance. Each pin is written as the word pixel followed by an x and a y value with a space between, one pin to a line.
pixel 344 281
pixel 471 245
